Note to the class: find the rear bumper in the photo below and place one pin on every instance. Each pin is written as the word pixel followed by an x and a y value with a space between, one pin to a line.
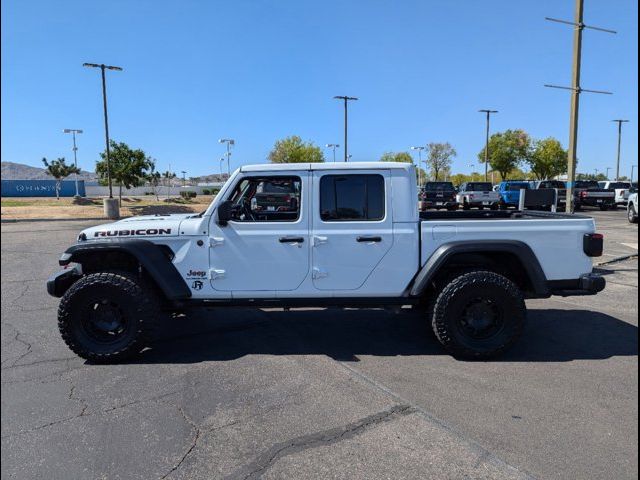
pixel 587 284
pixel 60 282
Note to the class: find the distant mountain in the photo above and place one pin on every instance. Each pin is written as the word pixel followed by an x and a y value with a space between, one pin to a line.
pixel 19 171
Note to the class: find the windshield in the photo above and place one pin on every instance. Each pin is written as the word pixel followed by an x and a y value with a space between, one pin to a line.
pixel 552 184
pixel 512 187
pixel 613 185
pixel 587 184
pixel 479 187
pixel 434 186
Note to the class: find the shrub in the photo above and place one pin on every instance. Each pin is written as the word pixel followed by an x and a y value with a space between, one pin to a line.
pixel 188 194
pixel 206 191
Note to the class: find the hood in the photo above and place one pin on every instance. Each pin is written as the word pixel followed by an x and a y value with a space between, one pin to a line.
pixel 138 227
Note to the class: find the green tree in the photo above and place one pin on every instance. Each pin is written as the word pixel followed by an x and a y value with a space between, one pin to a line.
pixel 547 159
pixel 59 170
pixel 167 176
pixel 600 177
pixel 439 159
pixel 507 151
pixel 128 167
pixel 294 150
pixel 403 157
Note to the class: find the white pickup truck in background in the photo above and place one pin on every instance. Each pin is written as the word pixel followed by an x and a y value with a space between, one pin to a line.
pixel 350 236
pixel 620 189
pixel 478 195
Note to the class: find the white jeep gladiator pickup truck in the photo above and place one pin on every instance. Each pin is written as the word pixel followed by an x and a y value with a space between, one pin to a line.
pixel 351 237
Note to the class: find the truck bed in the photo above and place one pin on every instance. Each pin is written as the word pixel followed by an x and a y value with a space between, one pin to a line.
pixel 555 238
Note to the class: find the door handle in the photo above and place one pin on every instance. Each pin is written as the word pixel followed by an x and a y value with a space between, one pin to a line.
pixel 369 239
pixel 291 240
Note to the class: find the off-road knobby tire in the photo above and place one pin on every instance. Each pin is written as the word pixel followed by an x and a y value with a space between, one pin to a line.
pixel 479 284
pixel 632 215
pixel 139 302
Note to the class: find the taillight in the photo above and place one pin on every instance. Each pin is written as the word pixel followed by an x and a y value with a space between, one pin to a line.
pixel 593 244
pixel 583 194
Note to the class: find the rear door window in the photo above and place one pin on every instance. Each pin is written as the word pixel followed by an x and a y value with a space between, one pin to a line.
pixel 352 198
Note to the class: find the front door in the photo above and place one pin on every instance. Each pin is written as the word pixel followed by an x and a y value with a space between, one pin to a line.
pixel 265 247
pixel 352 227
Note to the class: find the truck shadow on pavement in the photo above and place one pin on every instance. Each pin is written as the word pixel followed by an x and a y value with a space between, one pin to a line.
pixel 220 335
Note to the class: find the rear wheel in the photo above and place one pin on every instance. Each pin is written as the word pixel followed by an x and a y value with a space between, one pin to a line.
pixel 478 315
pixel 107 317
pixel 604 208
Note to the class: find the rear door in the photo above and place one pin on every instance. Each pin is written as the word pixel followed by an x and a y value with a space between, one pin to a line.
pixel 352 227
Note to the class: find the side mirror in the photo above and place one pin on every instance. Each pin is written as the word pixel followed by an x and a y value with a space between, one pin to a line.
pixel 225 212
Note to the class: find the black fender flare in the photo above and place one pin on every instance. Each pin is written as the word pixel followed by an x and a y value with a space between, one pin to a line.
pixel 149 255
pixel 440 257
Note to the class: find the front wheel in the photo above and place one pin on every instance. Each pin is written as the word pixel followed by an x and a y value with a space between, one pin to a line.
pixel 479 315
pixel 106 317
pixel 632 215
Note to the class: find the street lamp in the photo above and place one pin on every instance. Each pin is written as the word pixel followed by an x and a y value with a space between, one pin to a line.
pixel 620 122
pixel 608 168
pixel 333 146
pixel 472 166
pixel 229 142
pixel 486 146
pixel 75 149
pixel 419 148
pixel 102 68
pixel 346 101
pixel 184 179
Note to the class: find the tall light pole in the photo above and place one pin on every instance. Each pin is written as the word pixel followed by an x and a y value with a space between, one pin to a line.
pixel 346 121
pixel 419 148
pixel 608 168
pixel 472 166
pixel 184 178
pixel 620 122
pixel 102 68
pixel 75 149
pixel 486 145
pixel 333 146
pixel 221 161
pixel 229 142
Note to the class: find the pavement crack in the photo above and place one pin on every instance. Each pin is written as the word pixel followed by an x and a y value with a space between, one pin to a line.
pixel 267 459
pixel 191 447
pixel 17 338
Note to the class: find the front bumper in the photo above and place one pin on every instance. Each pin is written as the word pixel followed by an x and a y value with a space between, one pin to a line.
pixel 587 284
pixel 60 282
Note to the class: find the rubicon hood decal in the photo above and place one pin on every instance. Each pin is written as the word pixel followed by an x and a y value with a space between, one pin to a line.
pixel 129 233
pixel 147 226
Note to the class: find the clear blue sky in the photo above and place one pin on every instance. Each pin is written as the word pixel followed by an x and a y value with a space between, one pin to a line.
pixel 195 71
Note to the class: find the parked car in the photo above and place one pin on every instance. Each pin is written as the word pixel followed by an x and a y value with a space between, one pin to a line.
pixel 558 185
pixel 356 240
pixel 588 193
pixel 438 195
pixel 632 207
pixel 477 194
pixel 510 192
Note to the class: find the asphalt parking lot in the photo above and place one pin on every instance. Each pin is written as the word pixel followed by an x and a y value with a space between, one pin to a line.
pixel 245 394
